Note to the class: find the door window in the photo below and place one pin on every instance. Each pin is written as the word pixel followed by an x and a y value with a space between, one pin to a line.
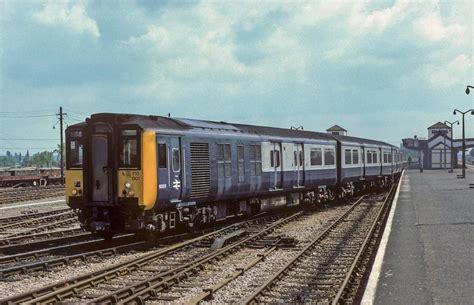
pixel 176 160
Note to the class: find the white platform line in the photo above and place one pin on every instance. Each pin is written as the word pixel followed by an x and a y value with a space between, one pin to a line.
pixel 31 204
pixel 370 289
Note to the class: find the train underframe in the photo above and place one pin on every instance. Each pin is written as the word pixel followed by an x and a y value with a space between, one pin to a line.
pixel 185 216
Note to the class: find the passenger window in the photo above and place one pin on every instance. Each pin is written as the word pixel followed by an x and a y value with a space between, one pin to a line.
pixel 161 155
pixel 316 157
pixel 176 161
pixel 272 160
pixel 374 157
pixel 348 156
pixel 258 160
pixel 355 156
pixel 224 161
pixel 255 157
pixel 241 166
pixel 75 156
pixel 329 156
pixel 129 149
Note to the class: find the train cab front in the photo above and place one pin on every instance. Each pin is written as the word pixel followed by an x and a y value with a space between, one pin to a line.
pixel 117 160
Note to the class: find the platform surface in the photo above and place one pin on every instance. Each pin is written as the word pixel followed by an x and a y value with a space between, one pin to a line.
pixel 429 256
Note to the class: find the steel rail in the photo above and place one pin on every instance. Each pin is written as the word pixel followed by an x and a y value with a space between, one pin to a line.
pixel 79 246
pixel 67 260
pixel 13 219
pixel 39 220
pixel 56 224
pixel 16 195
pixel 357 259
pixel 143 290
pixel 207 292
pixel 18 243
pixel 253 297
pixel 60 290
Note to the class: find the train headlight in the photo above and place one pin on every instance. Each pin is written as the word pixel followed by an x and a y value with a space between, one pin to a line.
pixel 74 192
pixel 131 193
pixel 128 185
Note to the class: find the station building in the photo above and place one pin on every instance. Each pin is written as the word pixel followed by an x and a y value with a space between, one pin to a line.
pixel 337 130
pixel 439 149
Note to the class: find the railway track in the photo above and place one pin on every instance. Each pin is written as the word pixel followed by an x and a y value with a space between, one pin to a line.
pixel 38 219
pixel 54 257
pixel 31 241
pixel 16 230
pixel 29 216
pixel 330 268
pixel 170 260
pixel 150 276
pixel 11 195
pixel 28 243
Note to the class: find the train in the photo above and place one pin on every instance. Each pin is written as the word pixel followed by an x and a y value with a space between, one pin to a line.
pixel 155 174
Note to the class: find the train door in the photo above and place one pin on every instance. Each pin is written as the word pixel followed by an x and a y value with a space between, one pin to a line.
pixel 100 167
pixel 176 180
pixel 298 155
pixel 364 162
pixel 169 168
pixel 275 163
pixel 380 160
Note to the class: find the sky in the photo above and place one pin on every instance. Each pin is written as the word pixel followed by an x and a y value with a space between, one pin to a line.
pixel 383 70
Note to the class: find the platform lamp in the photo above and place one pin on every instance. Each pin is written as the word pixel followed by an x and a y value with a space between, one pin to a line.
pixel 467 89
pixel 452 137
pixel 464 136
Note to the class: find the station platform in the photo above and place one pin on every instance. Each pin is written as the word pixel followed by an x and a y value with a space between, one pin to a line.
pixel 427 252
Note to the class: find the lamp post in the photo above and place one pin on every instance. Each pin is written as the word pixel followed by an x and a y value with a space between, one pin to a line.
pixel 463 137
pixel 467 89
pixel 452 137
pixel 420 160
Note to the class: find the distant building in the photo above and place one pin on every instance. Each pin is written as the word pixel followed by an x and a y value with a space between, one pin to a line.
pixel 439 128
pixel 440 149
pixel 336 129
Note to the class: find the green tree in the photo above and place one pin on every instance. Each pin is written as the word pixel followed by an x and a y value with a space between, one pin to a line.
pixel 43 159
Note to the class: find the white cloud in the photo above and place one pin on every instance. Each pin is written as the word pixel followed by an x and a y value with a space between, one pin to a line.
pixel 68 14
pixel 379 20
pixel 431 28
pixel 312 13
pixel 455 71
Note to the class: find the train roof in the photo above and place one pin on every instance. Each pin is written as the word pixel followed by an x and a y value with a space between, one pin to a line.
pixel 183 124
pixel 361 140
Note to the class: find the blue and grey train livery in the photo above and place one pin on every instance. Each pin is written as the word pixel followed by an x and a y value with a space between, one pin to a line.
pixel 135 173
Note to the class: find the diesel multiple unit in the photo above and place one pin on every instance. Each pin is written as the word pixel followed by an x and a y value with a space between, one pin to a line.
pixel 151 173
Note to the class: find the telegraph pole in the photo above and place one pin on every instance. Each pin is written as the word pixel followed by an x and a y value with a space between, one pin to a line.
pixel 463 175
pixel 61 165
